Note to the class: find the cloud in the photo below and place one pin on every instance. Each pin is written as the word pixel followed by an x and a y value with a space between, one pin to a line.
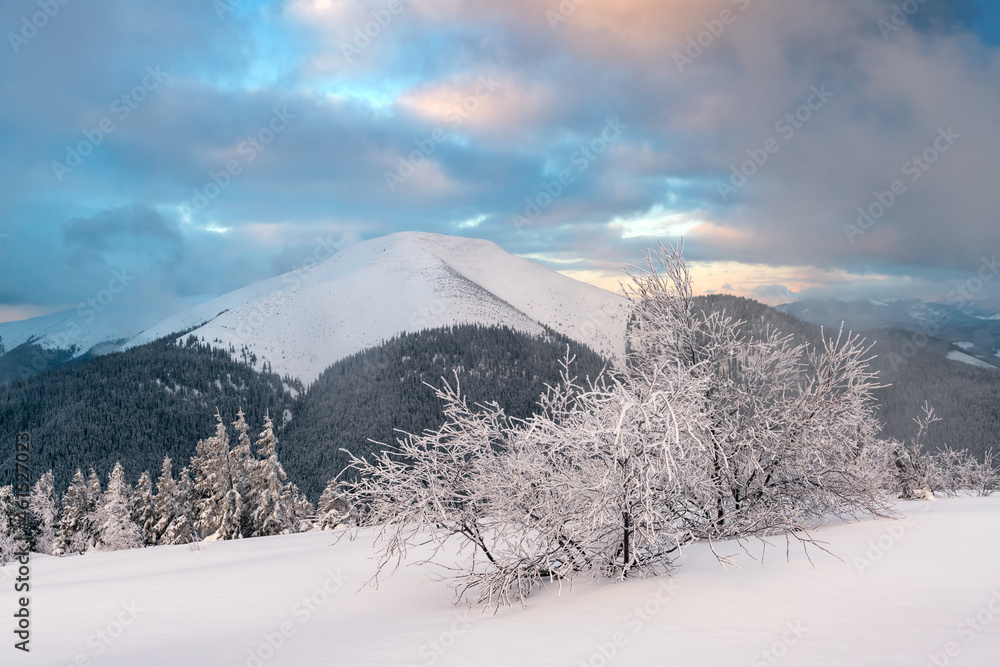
pixel 413 99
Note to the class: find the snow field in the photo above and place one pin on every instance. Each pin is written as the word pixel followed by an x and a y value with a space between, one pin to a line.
pixel 921 591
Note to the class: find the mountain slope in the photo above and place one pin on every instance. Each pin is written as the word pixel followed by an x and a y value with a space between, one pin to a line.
pixel 973 332
pixel 302 322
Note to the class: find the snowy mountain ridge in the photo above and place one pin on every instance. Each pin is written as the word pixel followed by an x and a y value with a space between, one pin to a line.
pixel 302 322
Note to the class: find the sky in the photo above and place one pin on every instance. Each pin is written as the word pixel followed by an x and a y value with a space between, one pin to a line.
pixel 831 148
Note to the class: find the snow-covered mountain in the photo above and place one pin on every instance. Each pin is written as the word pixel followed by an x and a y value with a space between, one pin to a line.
pixel 93 326
pixel 302 322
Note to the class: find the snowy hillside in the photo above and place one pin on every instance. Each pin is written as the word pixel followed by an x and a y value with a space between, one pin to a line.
pixel 303 322
pixel 974 329
pixel 90 325
pixel 921 591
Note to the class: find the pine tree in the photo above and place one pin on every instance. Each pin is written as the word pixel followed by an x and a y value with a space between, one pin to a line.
pixel 302 510
pixel 115 528
pixel 143 512
pixel 272 513
pixel 212 480
pixel 179 529
pixel 8 528
pixel 333 508
pixel 75 522
pixel 45 512
pixel 241 465
pixel 165 502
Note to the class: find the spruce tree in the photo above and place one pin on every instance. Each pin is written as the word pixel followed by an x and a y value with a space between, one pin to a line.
pixel 212 479
pixel 75 521
pixel 44 510
pixel 115 528
pixel 179 528
pixel 242 463
pixel 333 508
pixel 272 514
pixel 8 528
pixel 143 512
pixel 165 502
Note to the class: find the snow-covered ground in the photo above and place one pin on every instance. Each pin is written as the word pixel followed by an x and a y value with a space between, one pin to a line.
pixel 921 591
pixel 955 355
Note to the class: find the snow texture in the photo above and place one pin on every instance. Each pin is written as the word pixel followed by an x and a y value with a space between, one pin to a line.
pixel 955 355
pixel 905 590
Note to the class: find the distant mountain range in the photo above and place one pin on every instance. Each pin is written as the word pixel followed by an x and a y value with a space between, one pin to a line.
pixel 974 334
pixel 299 323
pixel 339 352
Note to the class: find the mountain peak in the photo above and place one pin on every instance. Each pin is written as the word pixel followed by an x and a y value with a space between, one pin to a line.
pixel 303 321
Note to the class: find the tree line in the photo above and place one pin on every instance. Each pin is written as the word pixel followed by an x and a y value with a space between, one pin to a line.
pixel 230 489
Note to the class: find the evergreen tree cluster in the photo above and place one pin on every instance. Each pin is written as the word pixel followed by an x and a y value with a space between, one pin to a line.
pixel 226 492
pixel 133 407
pixel 375 395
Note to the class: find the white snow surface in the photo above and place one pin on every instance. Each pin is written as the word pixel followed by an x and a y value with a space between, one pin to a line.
pixel 85 327
pixel 965 345
pixel 904 591
pixel 955 355
pixel 303 322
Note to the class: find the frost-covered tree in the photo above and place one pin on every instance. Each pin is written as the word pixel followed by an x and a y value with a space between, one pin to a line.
pixel 115 528
pixel 8 529
pixel 788 431
pixel 273 513
pixel 143 510
pixel 705 432
pixel 76 518
pixel 45 511
pixel 242 464
pixel 302 510
pixel 333 508
pixel 212 480
pixel 166 504
pixel 921 474
pixel 174 523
